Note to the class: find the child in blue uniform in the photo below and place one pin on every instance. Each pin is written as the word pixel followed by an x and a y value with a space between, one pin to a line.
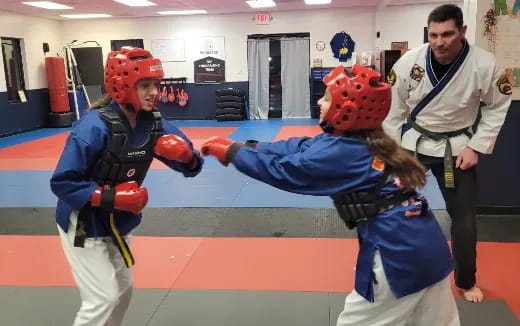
pixel 404 261
pixel 98 182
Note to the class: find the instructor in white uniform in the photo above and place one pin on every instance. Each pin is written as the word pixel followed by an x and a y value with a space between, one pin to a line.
pixel 436 92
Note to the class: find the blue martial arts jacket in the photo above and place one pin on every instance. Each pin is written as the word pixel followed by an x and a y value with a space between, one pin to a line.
pixel 71 181
pixel 414 250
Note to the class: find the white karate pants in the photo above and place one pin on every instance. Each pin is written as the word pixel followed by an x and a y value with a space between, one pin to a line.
pixel 103 280
pixel 434 305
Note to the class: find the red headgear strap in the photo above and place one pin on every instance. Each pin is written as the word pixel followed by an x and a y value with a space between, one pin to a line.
pixel 359 100
pixel 124 68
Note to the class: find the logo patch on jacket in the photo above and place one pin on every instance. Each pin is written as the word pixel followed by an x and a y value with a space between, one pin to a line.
pixel 391 77
pixel 417 72
pixel 130 173
pixel 378 164
pixel 504 86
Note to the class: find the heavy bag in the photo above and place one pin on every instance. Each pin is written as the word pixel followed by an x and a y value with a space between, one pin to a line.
pixel 57 84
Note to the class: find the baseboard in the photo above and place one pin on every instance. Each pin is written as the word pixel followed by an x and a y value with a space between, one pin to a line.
pixel 498 210
pixel 16 132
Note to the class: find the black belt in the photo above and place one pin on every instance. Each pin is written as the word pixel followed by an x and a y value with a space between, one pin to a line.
pixel 81 234
pixel 119 241
pixel 449 178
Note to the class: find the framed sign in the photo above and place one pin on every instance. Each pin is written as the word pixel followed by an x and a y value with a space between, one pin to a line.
pixel 209 46
pixel 169 50
pixel 401 46
pixel 209 70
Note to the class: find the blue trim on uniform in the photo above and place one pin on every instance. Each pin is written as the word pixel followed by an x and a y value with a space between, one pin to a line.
pixel 429 69
pixel 449 74
pixel 438 86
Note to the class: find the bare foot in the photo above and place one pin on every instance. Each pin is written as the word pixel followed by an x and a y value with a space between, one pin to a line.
pixel 473 295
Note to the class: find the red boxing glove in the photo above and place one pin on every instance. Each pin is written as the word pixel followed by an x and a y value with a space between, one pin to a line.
pixel 217 147
pixel 126 196
pixel 173 148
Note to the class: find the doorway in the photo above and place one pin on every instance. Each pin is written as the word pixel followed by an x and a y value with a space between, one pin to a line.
pixel 275 79
pixel 279 71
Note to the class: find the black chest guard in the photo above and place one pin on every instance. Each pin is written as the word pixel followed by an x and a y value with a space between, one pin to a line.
pixel 354 207
pixel 122 161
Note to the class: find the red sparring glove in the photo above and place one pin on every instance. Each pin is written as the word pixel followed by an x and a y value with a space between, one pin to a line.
pixel 126 196
pixel 217 147
pixel 174 148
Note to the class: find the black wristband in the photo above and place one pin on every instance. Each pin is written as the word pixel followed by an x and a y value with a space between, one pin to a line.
pixel 108 199
pixel 251 143
pixel 194 163
pixel 233 150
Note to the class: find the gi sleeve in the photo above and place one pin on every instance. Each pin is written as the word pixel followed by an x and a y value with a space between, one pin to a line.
pixel 496 96
pixel 70 180
pixel 284 147
pixel 310 171
pixel 395 119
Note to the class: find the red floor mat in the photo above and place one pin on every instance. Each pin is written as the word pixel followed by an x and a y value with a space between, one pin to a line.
pixel 286 264
pixel 44 153
pixel 40 154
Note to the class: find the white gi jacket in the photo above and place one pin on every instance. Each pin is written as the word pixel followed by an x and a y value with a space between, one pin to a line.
pixel 455 107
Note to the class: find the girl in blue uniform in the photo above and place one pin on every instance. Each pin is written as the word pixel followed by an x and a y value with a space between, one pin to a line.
pixel 98 182
pixel 404 261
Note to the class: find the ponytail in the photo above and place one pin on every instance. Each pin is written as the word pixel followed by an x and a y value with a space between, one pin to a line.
pixel 411 173
pixel 101 102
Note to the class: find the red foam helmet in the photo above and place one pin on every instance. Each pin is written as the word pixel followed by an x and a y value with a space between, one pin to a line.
pixel 360 101
pixel 124 68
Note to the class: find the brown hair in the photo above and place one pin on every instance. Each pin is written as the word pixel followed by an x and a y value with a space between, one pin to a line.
pixel 445 13
pixel 402 164
pixel 100 102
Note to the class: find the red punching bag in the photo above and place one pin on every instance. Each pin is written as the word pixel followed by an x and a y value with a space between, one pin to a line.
pixel 57 81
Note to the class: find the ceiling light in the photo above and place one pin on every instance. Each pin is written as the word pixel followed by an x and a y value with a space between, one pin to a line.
pixel 261 3
pixel 136 3
pixel 82 16
pixel 182 12
pixel 317 2
pixel 47 5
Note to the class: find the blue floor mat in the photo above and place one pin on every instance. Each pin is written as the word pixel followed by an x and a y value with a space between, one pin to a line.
pixel 215 186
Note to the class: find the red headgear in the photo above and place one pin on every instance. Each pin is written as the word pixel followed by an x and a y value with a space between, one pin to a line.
pixel 359 100
pixel 124 68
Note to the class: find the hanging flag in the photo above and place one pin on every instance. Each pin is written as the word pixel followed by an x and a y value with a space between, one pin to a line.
pixel 342 46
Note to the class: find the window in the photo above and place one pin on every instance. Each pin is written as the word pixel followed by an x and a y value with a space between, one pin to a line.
pixel 13 68
pixel 118 44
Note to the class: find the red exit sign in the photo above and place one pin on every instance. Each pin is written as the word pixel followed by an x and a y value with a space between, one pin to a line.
pixel 262 19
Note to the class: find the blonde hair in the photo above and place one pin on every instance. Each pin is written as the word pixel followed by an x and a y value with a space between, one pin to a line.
pixel 402 164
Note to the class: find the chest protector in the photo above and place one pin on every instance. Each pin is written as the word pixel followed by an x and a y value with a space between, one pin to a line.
pixel 354 207
pixel 123 161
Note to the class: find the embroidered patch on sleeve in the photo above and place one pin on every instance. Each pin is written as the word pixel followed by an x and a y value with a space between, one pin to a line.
pixel 378 164
pixel 391 77
pixel 504 86
pixel 417 72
